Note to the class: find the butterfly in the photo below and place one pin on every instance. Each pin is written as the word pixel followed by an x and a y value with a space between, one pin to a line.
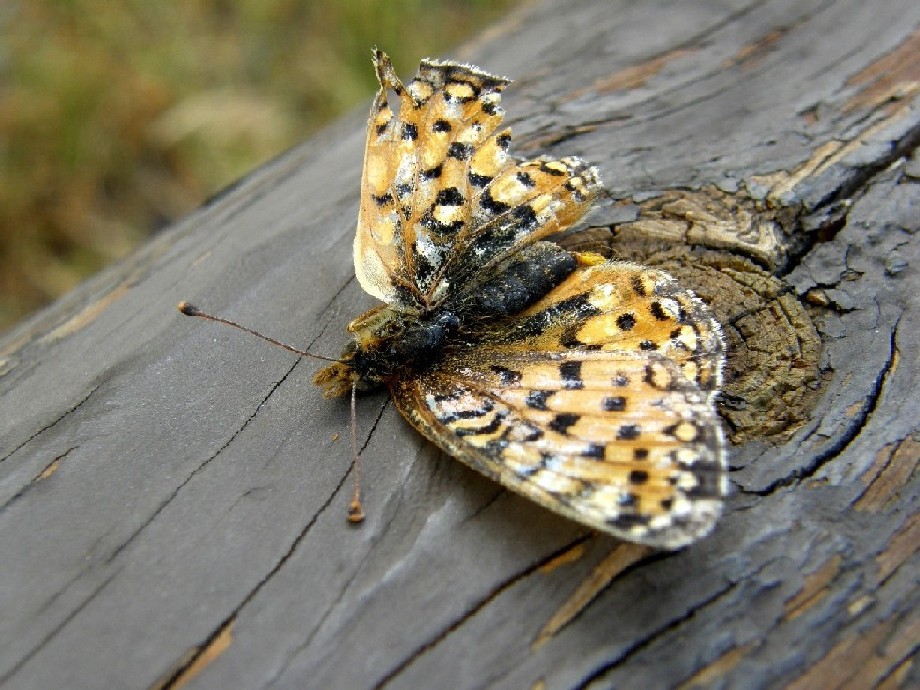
pixel 586 385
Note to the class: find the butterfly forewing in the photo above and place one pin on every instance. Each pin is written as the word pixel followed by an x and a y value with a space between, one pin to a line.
pixel 440 192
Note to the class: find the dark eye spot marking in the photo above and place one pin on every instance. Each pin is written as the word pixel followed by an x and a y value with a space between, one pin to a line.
pixel 628 432
pixel 403 190
pixel 647 345
pixel 383 199
pixel 620 380
pixel 503 141
pixel 640 454
pixel 479 180
pixel 440 126
pixel 625 322
pixel 409 131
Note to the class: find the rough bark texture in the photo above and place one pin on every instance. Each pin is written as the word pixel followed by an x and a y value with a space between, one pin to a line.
pixel 173 494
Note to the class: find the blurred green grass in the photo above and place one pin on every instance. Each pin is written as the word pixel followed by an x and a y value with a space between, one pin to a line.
pixel 118 117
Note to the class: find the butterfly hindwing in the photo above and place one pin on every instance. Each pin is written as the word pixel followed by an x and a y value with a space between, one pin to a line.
pixel 608 432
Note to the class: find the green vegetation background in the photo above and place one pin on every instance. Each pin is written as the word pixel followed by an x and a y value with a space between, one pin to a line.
pixel 118 117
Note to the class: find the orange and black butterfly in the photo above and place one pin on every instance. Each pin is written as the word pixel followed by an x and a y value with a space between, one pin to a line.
pixel 586 385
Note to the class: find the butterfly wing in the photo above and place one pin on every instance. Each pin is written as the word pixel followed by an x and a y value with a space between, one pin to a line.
pixel 441 194
pixel 596 402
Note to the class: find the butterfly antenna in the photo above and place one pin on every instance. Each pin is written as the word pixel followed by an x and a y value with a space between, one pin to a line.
pixel 355 509
pixel 192 310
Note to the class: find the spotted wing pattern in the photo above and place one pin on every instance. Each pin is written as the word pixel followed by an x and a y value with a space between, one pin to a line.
pixel 596 402
pixel 442 200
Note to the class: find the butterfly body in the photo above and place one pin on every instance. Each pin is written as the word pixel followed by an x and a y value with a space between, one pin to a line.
pixel 583 384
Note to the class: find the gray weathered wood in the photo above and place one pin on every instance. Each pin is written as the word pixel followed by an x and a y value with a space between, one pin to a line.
pixel 173 494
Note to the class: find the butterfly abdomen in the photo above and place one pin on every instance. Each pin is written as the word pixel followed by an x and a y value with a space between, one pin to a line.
pixel 537 270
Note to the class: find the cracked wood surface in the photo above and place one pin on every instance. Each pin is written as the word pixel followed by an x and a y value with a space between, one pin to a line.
pixel 173 495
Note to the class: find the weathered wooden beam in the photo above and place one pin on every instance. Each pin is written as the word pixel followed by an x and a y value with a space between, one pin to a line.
pixel 173 495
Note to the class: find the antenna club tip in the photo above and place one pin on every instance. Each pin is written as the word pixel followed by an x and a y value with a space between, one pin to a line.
pixel 355 513
pixel 188 309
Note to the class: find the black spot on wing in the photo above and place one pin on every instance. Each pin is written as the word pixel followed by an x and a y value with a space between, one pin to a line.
pixel 525 179
pixel 626 322
pixel 440 126
pixel 486 429
pixel 487 406
pixel 708 476
pixel 525 218
pixel 658 312
pixel 432 173
pixel 561 422
pixel 460 151
pixel 571 375
pixel 507 376
pixel 450 196
pixel 613 403
pixel 429 222
pixel 490 108
pixel 491 205
pixel 409 131
pixel 628 432
pixel 638 477
pixel 628 520
pixel 637 285
pixel 479 180
pixel 593 450
pixel 537 399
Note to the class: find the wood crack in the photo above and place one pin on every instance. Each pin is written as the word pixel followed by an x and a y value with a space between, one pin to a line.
pixel 52 424
pixel 455 625
pixel 600 671
pixel 180 671
pixel 859 421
